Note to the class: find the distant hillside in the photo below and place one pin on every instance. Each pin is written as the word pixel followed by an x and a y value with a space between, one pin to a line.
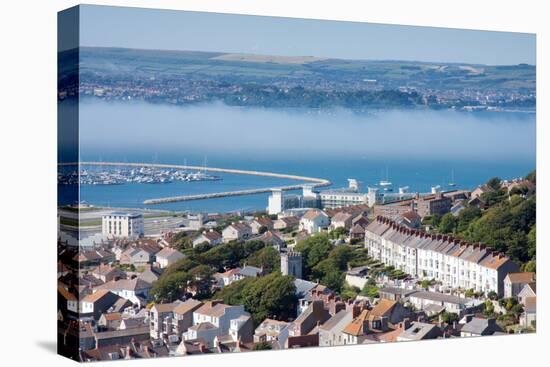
pixel 277 81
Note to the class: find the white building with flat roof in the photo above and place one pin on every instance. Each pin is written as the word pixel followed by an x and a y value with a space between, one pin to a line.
pixel 123 225
pixel 275 202
pixel 347 196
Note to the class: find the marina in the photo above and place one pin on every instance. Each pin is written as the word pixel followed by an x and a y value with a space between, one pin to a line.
pixel 115 175
pixel 406 176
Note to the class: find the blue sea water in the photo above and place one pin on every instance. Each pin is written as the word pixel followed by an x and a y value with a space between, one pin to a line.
pixel 418 175
pixel 414 149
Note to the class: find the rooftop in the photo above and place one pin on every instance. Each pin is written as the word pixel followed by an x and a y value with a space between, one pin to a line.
pixel 522 277
pixel 444 244
pixel 124 214
pixel 417 331
pixel 441 297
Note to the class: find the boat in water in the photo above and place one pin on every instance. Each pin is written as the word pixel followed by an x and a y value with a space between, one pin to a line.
pixel 452 183
pixel 386 184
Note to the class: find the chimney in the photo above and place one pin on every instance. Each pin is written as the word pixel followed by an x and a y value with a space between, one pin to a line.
pixel 202 347
pixel 405 324
pixel 215 302
pixel 339 306
pixel 355 311
pixel 384 323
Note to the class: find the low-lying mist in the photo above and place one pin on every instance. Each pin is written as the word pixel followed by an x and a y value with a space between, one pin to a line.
pixel 303 134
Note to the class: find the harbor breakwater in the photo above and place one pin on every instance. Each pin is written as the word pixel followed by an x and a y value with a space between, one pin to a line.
pixel 311 181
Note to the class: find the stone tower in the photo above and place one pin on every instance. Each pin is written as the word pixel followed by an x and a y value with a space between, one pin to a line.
pixel 291 264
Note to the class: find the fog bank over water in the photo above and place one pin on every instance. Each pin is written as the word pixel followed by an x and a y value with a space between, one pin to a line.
pixel 120 129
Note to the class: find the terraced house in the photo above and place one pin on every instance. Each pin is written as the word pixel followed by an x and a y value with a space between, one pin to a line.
pixel 451 261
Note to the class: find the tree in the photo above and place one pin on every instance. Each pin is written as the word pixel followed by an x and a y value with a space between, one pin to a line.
pixel 494 183
pixel 448 317
pixel 425 284
pixel 349 292
pixel 432 220
pixel 466 216
pixel 370 289
pixel 267 258
pixel 200 279
pixel 532 242
pixel 505 226
pixel 530 266
pixel 494 197
pixel 333 280
pixel 171 287
pixel 262 346
pixel 181 265
pixel 489 308
pixel 182 241
pixel 448 223
pixel 314 249
pixel 273 295
pixel 509 303
pixel 338 233
pixel 341 255
pixel 229 255
pixel 233 293
pixel 519 190
pixel 532 177
pixel 516 310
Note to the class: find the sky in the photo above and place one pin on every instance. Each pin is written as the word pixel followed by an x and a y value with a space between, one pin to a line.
pixel 182 30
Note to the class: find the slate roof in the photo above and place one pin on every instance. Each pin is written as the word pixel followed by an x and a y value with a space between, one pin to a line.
pixel 250 271
pixel 522 277
pixel 125 284
pixel 444 244
pixel 187 306
pixel 417 331
pixel 477 325
pixel 170 254
pixel 303 286
pixel 312 214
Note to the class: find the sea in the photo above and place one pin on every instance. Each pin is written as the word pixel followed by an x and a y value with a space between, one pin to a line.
pixel 505 149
